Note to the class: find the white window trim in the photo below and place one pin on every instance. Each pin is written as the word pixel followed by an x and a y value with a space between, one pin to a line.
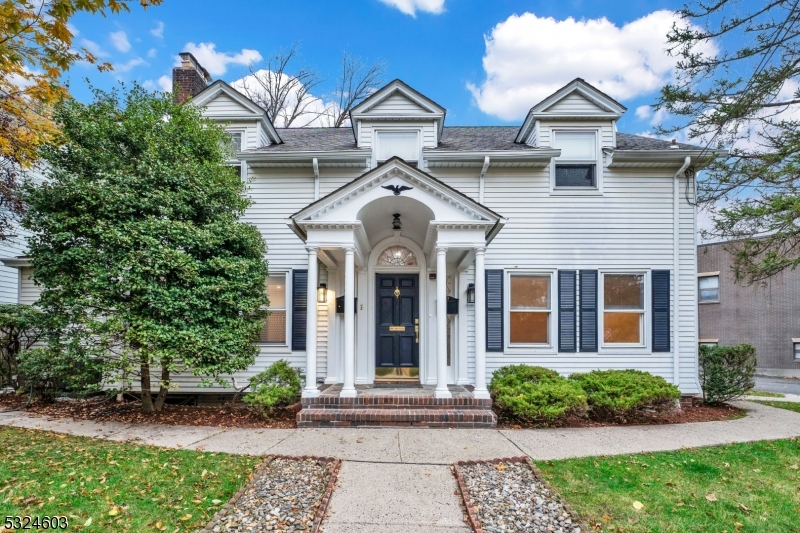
pixel 287 277
pixel 707 275
pixel 608 348
pixel 597 190
pixel 550 347
pixel 396 129
pixel 243 132
pixel 795 346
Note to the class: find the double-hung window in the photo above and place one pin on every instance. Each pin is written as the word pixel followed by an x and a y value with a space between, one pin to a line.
pixel 530 309
pixel 402 144
pixel 708 288
pixel 796 347
pixel 576 167
pixel 274 330
pixel 623 309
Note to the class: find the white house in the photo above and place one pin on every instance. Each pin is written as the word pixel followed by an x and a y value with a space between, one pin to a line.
pixel 403 249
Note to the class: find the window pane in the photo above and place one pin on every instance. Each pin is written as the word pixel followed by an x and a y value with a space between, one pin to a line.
pixel 622 327
pixel 530 291
pixel 575 175
pixel 402 144
pixel 708 282
pixel 274 330
pixel 576 145
pixel 709 295
pixel 623 291
pixel 797 350
pixel 234 141
pixel 276 291
pixel 529 327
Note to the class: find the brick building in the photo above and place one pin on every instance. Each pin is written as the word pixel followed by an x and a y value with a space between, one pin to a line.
pixel 766 314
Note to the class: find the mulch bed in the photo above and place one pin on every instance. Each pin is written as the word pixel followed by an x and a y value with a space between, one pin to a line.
pixel 695 413
pixel 102 409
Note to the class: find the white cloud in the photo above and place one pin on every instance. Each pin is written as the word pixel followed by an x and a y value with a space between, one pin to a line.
pixel 217 62
pixel 120 40
pixel 528 58
pixel 129 65
pixel 94 48
pixel 319 112
pixel 152 53
pixel 410 7
pixel 165 83
pixel 158 31
pixel 644 112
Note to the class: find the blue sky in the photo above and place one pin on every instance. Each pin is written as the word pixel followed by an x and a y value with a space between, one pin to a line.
pixel 486 62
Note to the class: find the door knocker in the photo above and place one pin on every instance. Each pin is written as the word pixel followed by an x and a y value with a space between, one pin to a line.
pixel 396 292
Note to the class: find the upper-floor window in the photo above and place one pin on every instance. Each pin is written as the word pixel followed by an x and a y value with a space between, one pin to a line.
pixel 708 288
pixel 577 165
pixel 403 144
pixel 234 141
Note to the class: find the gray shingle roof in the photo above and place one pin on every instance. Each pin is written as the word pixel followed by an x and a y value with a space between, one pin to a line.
pixel 454 138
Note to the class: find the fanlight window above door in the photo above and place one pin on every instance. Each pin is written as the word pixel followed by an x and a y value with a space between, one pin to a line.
pixel 397 256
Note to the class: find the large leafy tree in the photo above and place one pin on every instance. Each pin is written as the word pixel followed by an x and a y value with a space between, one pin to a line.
pixel 738 88
pixel 35 50
pixel 138 242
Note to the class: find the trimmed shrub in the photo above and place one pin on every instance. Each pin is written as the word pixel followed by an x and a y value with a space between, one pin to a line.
pixel 726 372
pixel 617 394
pixel 51 373
pixel 21 326
pixel 277 386
pixel 535 395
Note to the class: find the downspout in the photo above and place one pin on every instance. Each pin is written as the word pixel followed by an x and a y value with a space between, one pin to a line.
pixel 486 162
pixel 676 264
pixel 315 164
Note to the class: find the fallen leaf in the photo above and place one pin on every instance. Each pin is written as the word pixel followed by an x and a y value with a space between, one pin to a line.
pixel 216 502
pixel 795 467
pixel 638 505
pixel 114 511
pixel 88 522
pixel 710 497
pixel 160 526
pixel 186 517
pixel 500 466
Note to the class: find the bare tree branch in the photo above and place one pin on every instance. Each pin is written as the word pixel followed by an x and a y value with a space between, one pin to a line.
pixel 356 81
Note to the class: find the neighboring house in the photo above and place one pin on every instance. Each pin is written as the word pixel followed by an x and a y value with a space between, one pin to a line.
pixel 403 249
pixel 765 315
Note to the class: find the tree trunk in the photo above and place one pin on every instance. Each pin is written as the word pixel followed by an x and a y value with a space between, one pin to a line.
pixel 162 392
pixel 147 397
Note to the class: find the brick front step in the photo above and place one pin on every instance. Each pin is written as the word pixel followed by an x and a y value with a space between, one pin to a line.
pixel 396 402
pixel 451 418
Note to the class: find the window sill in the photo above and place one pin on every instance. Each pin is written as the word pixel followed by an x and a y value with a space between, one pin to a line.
pixel 708 302
pixel 576 191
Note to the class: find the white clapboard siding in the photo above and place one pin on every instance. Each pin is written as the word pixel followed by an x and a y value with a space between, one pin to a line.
pixel 396 104
pixel 575 104
pixel 428 129
pixel 629 227
pixel 15 246
pixel 224 106
pixel 28 290
pixel 546 127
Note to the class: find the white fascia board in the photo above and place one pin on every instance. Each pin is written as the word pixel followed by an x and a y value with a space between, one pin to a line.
pixel 668 157
pixel 441 155
pixel 16 262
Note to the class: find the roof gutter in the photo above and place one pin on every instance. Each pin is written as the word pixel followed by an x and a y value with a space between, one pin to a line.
pixel 454 155
pixel 354 155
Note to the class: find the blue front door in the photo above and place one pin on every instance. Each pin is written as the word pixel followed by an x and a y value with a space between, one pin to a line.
pixel 397 345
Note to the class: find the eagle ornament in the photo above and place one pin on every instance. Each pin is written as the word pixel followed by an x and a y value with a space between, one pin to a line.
pixel 396 189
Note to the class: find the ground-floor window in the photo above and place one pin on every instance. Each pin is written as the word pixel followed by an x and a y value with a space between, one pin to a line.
pixel 796 346
pixel 529 309
pixel 274 330
pixel 623 309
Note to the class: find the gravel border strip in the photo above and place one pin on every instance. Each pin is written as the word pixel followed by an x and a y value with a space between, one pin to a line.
pixel 334 463
pixel 472 517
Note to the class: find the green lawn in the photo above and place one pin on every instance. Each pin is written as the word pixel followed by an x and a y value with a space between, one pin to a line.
pixel 765 394
pixel 735 489
pixel 791 406
pixel 109 486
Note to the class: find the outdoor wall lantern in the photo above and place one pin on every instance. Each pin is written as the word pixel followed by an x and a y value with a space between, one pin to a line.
pixel 322 293
pixel 471 293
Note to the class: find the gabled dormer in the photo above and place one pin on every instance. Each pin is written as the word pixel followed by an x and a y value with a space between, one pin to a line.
pixel 246 121
pixel 397 121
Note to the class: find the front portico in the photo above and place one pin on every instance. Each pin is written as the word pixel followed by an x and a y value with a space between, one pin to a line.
pixel 396 242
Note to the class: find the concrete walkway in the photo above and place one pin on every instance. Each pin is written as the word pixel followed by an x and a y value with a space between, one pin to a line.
pixel 399 479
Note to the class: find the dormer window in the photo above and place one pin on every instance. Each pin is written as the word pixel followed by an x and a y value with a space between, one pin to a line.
pixel 234 143
pixel 402 144
pixel 577 165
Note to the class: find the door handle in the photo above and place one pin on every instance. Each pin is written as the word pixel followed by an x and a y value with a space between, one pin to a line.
pixel 416 329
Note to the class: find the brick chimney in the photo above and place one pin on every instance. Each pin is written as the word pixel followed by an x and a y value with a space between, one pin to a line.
pixel 188 79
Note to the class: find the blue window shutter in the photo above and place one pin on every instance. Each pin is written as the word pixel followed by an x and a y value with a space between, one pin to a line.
pixel 494 310
pixel 588 300
pixel 661 317
pixel 299 309
pixel 567 326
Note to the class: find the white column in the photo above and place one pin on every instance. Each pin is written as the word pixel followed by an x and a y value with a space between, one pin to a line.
pixel 480 391
pixel 311 390
pixel 348 388
pixel 441 324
